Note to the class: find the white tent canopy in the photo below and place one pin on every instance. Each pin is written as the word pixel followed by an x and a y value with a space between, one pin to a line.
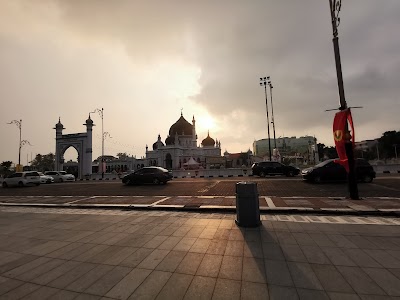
pixel 191 163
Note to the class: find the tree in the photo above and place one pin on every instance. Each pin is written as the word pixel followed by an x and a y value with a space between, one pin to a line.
pixel 5 167
pixel 43 163
pixel 122 156
pixel 387 143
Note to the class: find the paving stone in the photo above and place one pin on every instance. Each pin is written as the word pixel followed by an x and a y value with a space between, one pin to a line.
pixel 170 243
pixel 217 247
pixel 87 297
pixel 303 276
pixel 231 268
pixel 282 292
pixel 21 291
pixel 43 292
pixel 116 258
pixel 234 248
pixel 272 251
pixel 222 234
pixel 185 244
pixel 176 287
pixel 253 290
pixel 305 294
pixel 24 259
pixel 331 279
pixel 182 231
pixel 226 289
pixel 293 253
pixel 386 280
pixel 253 249
pixel 210 265
pixel 124 288
pixel 343 296
pixel 8 284
pixel 208 233
pixel 136 258
pixel 70 276
pixel 315 255
pixel 155 242
pixel 190 263
pixel 105 283
pixel 201 288
pixel 341 241
pixel 49 276
pixel 384 258
pixel 254 270
pixel 85 281
pixel 30 265
pixel 360 281
pixel 286 238
pixel 171 261
pixel 321 240
pixel 151 286
pixel 278 273
pixel 43 268
pixel 63 253
pixel 91 253
pixel 151 261
pixel 361 258
pixel 303 239
pixel 200 245
pixel 337 256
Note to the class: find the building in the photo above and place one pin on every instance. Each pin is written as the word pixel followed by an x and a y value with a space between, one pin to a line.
pixel 304 147
pixel 181 145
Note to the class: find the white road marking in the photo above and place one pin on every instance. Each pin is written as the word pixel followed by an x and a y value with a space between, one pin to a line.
pixel 270 203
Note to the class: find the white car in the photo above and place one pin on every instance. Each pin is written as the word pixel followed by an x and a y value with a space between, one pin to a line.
pixel 21 179
pixel 60 176
pixel 45 178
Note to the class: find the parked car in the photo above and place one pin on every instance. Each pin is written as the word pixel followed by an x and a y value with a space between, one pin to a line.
pixel 328 170
pixel 60 176
pixel 45 178
pixel 154 175
pixel 21 179
pixel 274 168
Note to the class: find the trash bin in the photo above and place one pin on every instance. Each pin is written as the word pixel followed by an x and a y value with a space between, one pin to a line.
pixel 247 205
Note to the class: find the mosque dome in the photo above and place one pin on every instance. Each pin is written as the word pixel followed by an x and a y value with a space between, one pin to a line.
pixel 170 140
pixel 181 127
pixel 208 141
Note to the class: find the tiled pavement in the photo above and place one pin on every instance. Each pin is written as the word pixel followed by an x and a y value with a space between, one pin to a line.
pixel 48 253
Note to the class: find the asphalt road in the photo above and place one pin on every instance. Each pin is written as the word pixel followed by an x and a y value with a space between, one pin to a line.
pixel 384 186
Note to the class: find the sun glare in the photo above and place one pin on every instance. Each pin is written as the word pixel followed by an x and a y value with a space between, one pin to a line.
pixel 205 123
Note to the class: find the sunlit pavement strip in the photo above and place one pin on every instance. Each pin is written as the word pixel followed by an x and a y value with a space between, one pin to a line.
pixel 350 220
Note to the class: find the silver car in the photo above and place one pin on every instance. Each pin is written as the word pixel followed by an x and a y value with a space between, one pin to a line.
pixel 60 176
pixel 22 179
pixel 45 178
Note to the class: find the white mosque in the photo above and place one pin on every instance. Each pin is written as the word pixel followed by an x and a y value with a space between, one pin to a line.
pixel 181 150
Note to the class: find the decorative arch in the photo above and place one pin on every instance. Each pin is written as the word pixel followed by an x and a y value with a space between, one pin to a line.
pixel 168 161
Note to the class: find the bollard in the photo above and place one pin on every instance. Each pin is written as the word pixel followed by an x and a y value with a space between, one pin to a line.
pixel 247 205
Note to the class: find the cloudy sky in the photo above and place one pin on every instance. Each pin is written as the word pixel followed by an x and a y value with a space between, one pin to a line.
pixel 143 61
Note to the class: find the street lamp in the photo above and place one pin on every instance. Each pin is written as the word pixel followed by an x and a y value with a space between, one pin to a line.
pixel 101 113
pixel 335 6
pixel 263 82
pixel 395 150
pixel 272 109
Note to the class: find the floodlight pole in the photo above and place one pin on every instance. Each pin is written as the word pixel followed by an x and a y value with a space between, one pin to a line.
pixel 335 6
pixel 263 82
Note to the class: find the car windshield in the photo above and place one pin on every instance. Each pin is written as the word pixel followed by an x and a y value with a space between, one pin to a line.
pixel 41 174
pixel 324 163
pixel 63 173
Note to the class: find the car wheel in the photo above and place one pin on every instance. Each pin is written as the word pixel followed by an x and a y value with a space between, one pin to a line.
pixel 262 174
pixel 61 180
pixel 20 183
pixel 317 179
pixel 5 185
pixel 367 179
pixel 156 181
pixel 290 174
pixel 128 182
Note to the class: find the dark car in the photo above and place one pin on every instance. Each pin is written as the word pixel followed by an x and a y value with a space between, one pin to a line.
pixel 273 168
pixel 329 170
pixel 154 175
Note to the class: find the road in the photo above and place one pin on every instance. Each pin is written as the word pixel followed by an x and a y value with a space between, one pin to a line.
pixel 385 186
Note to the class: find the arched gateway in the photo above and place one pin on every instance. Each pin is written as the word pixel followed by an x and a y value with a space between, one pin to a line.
pixel 82 142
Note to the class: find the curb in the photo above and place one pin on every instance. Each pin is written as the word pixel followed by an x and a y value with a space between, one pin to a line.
pixel 212 209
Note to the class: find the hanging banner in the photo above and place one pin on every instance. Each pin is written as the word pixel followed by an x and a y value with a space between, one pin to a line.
pixel 341 135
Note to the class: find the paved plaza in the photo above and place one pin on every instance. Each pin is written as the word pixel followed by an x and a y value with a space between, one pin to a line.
pixel 50 253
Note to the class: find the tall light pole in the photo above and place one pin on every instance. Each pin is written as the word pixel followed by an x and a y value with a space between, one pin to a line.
pixel 272 109
pixel 263 82
pixel 101 113
pixel 335 6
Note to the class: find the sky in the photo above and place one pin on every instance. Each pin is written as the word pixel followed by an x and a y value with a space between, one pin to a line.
pixel 145 62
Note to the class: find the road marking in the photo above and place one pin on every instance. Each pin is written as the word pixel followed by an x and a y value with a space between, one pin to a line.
pixel 207 188
pixel 159 201
pixel 80 200
pixel 270 203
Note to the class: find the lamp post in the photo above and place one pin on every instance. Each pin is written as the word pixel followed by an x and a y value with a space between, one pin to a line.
pixel 335 6
pixel 395 150
pixel 272 110
pixel 263 82
pixel 101 113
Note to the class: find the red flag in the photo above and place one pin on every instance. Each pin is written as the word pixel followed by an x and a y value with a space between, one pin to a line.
pixel 339 135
